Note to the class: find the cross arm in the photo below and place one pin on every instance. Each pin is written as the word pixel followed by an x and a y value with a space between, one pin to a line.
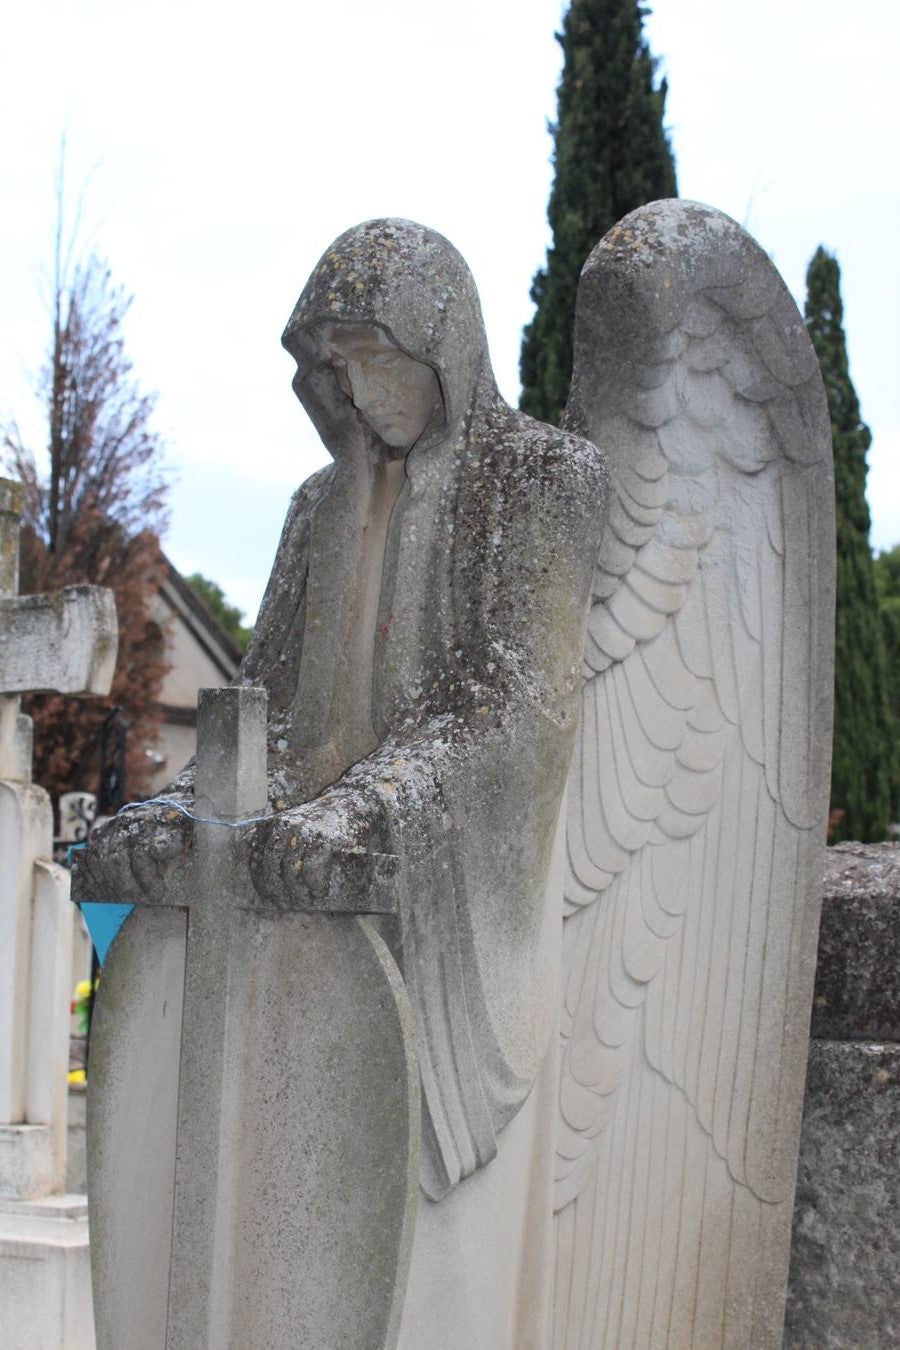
pixel 157 854
pixel 64 643
pixel 154 856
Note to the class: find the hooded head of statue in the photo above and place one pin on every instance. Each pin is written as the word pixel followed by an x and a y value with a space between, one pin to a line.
pixel 389 341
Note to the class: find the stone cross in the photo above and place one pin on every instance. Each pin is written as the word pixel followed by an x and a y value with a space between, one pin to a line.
pixel 65 643
pixel 248 1047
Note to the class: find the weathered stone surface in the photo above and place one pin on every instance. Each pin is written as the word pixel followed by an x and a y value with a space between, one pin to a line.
pixel 26 833
pixel 76 1158
pixel 857 994
pixel 264 1064
pixel 64 642
pixel 456 640
pixel 12 501
pixel 694 881
pixel 45 1290
pixel 48 1047
pixel 36 923
pixel 844 1291
pixel 67 643
pixel 132 1108
pixel 844 1286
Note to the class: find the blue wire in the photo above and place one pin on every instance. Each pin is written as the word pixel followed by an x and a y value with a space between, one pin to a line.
pixel 201 820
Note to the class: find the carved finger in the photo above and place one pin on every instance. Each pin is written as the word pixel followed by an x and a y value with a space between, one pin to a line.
pixel 260 851
pixel 153 865
pixel 171 840
pixel 312 870
pixel 107 866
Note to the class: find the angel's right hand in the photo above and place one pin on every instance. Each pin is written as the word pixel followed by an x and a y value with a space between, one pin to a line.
pixel 133 857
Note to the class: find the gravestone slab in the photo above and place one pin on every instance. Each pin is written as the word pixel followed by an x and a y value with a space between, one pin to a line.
pixel 45 1289
pixel 844 1288
pixel 243 1154
pixel 64 643
pixel 857 995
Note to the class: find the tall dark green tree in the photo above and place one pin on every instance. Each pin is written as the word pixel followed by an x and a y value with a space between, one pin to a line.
pixel 611 154
pixel 887 585
pixel 863 732
pixel 229 616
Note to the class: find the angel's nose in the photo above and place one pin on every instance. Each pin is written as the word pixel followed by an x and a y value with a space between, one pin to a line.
pixel 367 391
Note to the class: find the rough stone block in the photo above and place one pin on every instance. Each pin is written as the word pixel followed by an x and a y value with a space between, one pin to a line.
pixel 65 642
pixel 845 1268
pixel 857 993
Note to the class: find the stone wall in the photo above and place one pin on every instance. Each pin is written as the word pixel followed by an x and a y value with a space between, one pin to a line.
pixel 845 1261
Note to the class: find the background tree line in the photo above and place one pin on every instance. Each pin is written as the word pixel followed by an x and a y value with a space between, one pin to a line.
pixel 95 508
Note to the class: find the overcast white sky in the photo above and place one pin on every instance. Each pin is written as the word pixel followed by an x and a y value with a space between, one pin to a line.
pixel 226 145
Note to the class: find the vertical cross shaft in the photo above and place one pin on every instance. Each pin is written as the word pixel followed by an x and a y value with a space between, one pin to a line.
pixel 230 785
pixel 237 1175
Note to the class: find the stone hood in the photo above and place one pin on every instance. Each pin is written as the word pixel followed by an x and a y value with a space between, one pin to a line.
pixel 413 284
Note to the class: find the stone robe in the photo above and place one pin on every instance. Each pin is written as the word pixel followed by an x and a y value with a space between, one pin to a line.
pixel 421 641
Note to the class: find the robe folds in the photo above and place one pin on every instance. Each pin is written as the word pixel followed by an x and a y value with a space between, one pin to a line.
pixel 459 769
pixel 557 735
pixel 420 641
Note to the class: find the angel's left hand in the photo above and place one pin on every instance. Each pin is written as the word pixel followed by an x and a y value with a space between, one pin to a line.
pixel 313 858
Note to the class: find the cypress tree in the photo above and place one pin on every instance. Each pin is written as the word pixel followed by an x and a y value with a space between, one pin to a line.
pixel 887 586
pixel 863 743
pixel 611 154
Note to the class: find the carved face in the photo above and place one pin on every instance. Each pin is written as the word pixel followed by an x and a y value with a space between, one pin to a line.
pixel 396 395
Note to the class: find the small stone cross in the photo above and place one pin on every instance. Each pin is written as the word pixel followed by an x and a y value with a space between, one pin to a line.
pixel 64 643
pixel 230 785
pixel 265 1059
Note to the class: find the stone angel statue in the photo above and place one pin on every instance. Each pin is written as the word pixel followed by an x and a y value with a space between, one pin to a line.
pixel 551 706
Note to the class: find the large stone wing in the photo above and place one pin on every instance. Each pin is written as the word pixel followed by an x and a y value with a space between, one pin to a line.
pixel 698 792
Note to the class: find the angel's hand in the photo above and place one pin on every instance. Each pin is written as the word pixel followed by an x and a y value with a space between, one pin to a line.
pixel 314 858
pixel 134 856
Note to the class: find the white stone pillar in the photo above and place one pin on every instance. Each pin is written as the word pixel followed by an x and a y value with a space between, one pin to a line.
pixel 67 643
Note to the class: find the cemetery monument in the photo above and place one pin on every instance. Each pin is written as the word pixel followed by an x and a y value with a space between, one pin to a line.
pixel 65 643
pixel 466 996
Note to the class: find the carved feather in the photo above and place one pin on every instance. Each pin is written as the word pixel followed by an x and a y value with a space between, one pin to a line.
pixel 697 793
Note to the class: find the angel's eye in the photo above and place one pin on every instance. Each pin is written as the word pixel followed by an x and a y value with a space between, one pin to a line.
pixel 386 359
